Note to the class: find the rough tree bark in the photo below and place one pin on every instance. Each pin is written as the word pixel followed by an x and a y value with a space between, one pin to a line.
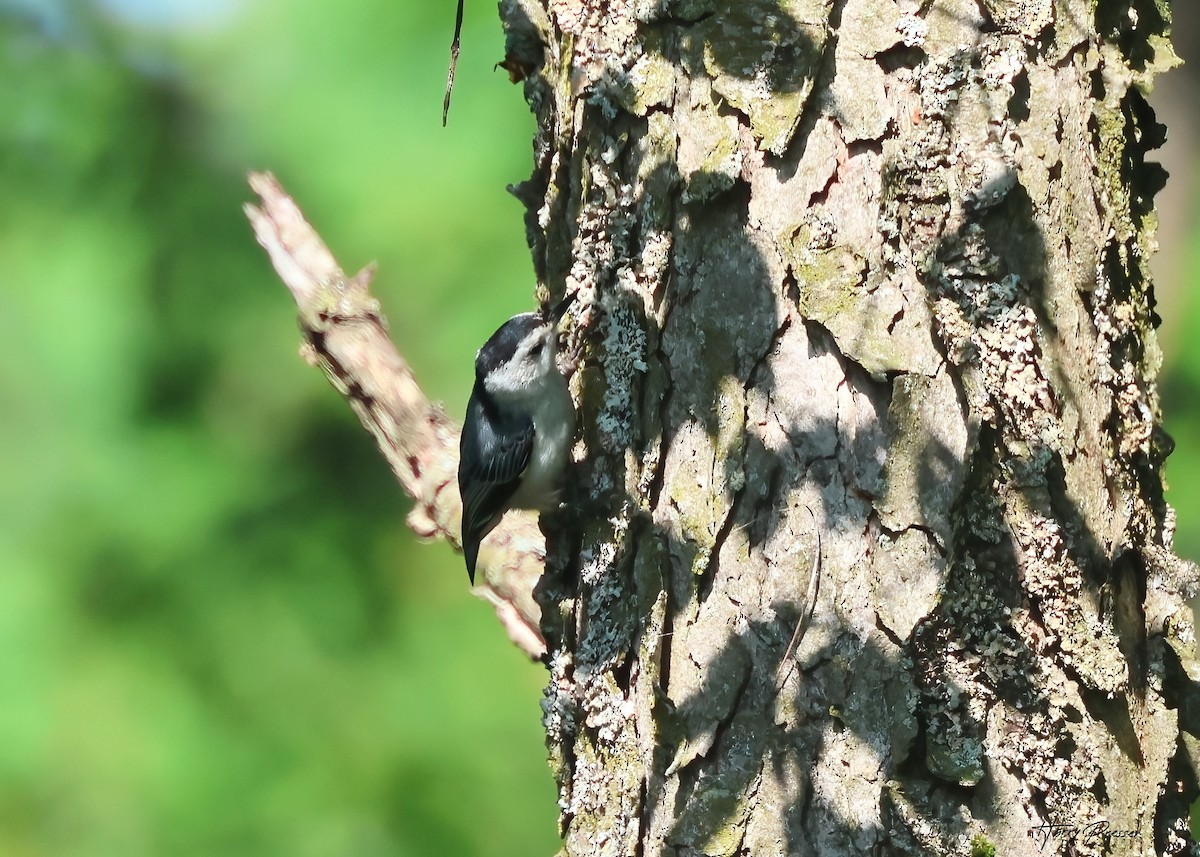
pixel 878 327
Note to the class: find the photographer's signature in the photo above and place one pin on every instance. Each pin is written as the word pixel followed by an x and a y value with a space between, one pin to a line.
pixel 1096 832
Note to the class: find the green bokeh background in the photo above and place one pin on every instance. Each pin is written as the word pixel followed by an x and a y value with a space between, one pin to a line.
pixel 216 635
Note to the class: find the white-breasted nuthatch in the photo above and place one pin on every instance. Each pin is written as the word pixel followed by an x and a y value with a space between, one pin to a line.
pixel 520 420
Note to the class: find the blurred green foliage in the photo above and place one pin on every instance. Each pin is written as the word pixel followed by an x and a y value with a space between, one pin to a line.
pixel 1181 408
pixel 216 634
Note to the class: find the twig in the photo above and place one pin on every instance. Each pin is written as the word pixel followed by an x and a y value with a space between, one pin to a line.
pixel 810 603
pixel 454 45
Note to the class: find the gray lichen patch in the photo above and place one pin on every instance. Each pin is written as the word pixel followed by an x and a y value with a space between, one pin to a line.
pixel 1026 17
pixel 625 349
pixel 955 758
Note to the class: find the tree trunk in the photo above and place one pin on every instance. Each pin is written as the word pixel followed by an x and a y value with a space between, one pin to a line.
pixel 877 343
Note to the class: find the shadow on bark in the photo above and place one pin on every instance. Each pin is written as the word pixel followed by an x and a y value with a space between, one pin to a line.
pixel 889 697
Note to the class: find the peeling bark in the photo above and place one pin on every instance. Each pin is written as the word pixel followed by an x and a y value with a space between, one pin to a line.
pixel 876 303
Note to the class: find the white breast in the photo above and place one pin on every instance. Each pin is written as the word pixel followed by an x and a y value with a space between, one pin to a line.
pixel 553 417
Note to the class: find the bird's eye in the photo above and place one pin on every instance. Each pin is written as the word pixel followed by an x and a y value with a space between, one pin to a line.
pixel 536 350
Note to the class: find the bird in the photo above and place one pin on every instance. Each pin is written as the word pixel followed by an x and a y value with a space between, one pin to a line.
pixel 519 425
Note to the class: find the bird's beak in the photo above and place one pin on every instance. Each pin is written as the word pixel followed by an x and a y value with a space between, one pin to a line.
pixel 555 315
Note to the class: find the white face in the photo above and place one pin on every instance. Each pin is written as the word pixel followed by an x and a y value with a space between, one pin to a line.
pixel 532 362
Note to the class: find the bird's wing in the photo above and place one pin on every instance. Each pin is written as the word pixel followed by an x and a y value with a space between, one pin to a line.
pixel 489 480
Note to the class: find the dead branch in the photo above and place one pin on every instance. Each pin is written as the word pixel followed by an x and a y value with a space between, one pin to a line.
pixel 345 334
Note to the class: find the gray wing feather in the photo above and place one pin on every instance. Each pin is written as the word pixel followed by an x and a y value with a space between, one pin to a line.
pixel 489 476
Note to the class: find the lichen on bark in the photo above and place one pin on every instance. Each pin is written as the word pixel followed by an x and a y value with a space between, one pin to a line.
pixel 875 308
